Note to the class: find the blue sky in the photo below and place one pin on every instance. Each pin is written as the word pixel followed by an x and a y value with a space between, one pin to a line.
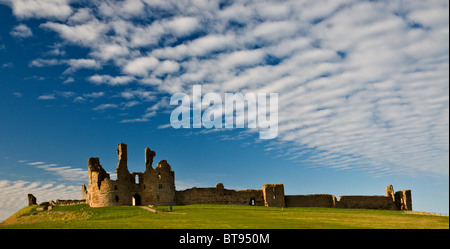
pixel 362 85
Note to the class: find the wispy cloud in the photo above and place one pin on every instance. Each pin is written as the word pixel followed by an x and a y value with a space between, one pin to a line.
pixel 35 163
pixel 362 85
pixel 51 96
pixel 14 194
pixel 64 173
pixel 40 9
pixel 47 97
pixel 74 64
pixel 111 80
pixel 64 185
pixel 18 94
pixel 21 31
pixel 103 107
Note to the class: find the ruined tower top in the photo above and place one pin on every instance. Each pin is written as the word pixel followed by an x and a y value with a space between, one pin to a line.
pixel 122 168
pixel 149 155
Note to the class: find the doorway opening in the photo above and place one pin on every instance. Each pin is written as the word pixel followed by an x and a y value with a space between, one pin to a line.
pixel 136 200
pixel 252 202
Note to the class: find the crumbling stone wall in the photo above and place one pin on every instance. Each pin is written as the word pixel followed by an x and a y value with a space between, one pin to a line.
pixel 68 202
pixel 320 200
pixel 156 186
pixel 219 195
pixel 31 200
pixel 407 201
pixel 400 200
pixel 366 202
pixel 48 205
pixel 273 195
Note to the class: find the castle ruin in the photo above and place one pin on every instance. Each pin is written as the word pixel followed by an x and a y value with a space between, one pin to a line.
pixel 156 186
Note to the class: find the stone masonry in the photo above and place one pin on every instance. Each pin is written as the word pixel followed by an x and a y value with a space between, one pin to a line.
pixel 156 186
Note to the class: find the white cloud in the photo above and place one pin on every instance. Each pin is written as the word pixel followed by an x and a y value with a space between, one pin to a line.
pixel 14 193
pixel 36 163
pixel 167 66
pixel 361 85
pixel 143 36
pixel 65 173
pixel 69 80
pixel 124 9
pixel 81 15
pixel 139 94
pixel 241 58
pixel 182 25
pixel 141 66
pixel 51 96
pixel 94 94
pixel 47 97
pixel 103 107
pixel 18 94
pixel 144 118
pixel 85 34
pixel 110 51
pixel 39 62
pixel 59 9
pixel 274 31
pixel 110 80
pixel 21 31
pixel 198 47
pixel 76 64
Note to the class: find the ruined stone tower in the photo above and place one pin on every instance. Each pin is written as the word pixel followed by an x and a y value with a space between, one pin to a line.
pixel 156 186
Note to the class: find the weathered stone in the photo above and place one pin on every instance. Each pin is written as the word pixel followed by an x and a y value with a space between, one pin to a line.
pixel 390 192
pixel 122 169
pixel 407 202
pixel 399 200
pixel 156 186
pixel 149 155
pixel 31 200
pixel 273 195
pixel 219 185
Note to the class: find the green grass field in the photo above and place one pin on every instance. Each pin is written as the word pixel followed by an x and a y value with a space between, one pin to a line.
pixel 219 217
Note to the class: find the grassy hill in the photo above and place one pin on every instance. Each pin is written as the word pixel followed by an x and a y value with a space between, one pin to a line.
pixel 219 217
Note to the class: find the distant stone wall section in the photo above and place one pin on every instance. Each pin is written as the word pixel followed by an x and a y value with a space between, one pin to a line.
pixel 320 200
pixel 366 202
pixel 48 205
pixel 219 195
pixel 69 202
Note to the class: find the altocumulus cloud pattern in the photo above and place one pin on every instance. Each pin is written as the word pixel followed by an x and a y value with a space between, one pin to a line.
pixel 362 85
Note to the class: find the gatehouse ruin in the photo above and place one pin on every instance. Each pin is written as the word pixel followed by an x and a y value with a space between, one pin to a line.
pixel 156 186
